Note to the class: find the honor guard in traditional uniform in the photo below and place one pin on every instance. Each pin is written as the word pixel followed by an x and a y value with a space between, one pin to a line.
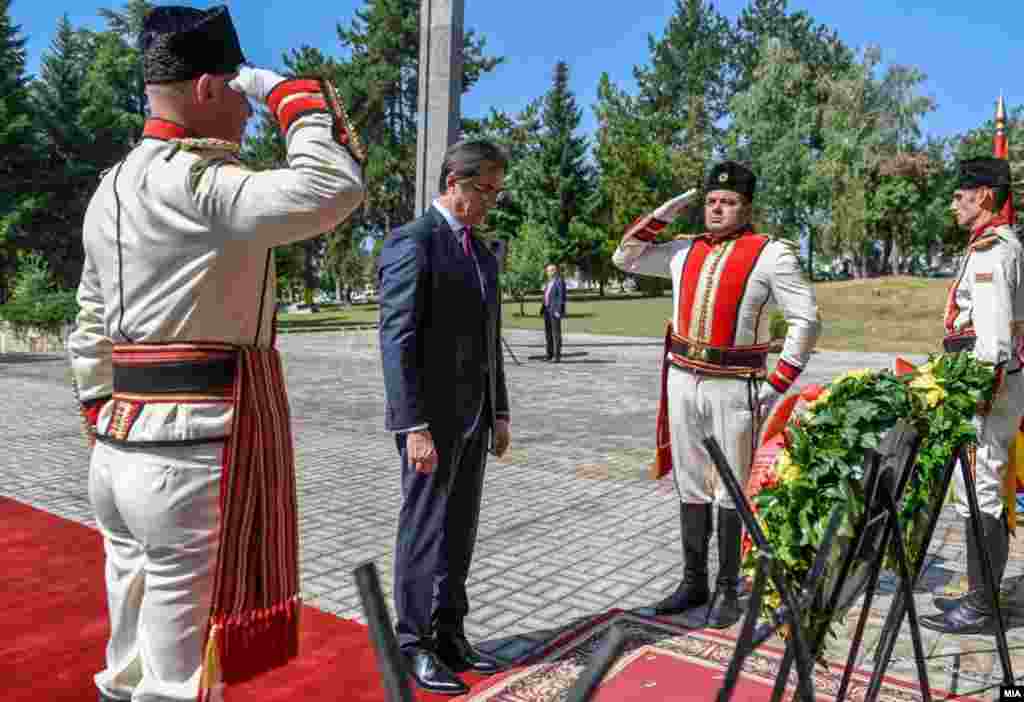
pixel 182 390
pixel 714 377
pixel 985 315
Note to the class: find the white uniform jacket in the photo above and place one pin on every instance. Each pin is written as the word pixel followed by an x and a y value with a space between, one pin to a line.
pixel 177 248
pixel 723 289
pixel 985 308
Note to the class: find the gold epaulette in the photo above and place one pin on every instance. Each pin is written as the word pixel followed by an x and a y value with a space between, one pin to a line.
pixel 203 145
pixel 691 237
pixel 782 240
pixel 985 242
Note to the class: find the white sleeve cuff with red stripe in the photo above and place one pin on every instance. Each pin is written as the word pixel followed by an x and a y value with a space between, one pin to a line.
pixel 784 375
pixel 645 228
pixel 294 98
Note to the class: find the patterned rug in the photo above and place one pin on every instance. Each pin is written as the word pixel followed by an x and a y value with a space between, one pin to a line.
pixel 663 661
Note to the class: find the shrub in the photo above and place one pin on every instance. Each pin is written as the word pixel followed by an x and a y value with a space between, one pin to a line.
pixel 35 302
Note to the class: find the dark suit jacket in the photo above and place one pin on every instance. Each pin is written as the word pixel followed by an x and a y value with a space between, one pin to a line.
pixel 557 297
pixel 440 342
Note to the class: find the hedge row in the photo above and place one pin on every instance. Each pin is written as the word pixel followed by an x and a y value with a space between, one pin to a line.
pixel 50 312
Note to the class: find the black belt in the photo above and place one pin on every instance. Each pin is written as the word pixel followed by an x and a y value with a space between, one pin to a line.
pixel 175 377
pixel 719 357
pixel 958 343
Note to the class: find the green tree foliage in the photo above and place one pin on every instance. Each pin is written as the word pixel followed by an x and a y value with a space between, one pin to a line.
pixel 380 81
pixel 36 301
pixel 19 146
pixel 561 179
pixel 528 253
pixel 688 82
pixel 519 135
pixel 90 109
pixel 774 128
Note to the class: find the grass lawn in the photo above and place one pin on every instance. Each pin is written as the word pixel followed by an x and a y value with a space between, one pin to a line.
pixel 880 314
pixel 329 318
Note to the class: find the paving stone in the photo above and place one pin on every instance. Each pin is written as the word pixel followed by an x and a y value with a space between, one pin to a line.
pixel 569 525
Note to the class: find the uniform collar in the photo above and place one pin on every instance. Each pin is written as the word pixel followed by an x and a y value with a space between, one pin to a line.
pixel 728 237
pixel 996 221
pixel 157 128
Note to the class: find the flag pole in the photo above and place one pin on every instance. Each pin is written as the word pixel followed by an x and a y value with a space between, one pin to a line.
pixel 1001 149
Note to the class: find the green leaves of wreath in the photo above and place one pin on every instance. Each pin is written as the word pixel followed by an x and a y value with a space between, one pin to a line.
pixel 822 464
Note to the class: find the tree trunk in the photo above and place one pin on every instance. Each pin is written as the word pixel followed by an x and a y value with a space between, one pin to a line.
pixel 600 287
pixel 888 249
pixel 522 306
pixel 895 258
pixel 338 289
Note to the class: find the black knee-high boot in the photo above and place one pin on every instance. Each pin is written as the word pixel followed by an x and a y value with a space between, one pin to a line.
pixel 973 613
pixel 693 591
pixel 725 607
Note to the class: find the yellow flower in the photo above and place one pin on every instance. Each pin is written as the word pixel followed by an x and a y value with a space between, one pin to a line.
pixel 822 399
pixel 928 385
pixel 856 374
pixel 935 396
pixel 785 468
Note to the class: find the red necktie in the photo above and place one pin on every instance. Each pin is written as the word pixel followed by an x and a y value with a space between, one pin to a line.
pixel 466 233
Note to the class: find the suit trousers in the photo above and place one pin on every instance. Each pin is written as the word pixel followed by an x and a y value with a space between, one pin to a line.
pixel 992 453
pixel 700 406
pixel 157 509
pixel 436 534
pixel 552 334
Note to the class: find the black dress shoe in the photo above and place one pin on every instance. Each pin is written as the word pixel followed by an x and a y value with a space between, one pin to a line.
pixel 431 674
pixel 971 616
pixel 459 654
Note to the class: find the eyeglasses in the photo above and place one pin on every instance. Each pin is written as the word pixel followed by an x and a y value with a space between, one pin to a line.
pixel 486 191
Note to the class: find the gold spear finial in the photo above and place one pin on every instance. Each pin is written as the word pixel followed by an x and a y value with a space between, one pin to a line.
pixel 1001 112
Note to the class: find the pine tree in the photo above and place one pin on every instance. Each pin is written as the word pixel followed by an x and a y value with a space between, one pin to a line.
pixel 19 144
pixel 566 180
pixel 72 156
pixel 89 111
pixel 380 82
pixel 688 82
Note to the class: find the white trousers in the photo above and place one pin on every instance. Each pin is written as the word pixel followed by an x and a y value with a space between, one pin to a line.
pixel 995 433
pixel 700 406
pixel 157 509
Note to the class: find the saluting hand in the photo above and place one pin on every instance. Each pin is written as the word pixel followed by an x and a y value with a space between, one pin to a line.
pixel 255 83
pixel 668 211
pixel 420 451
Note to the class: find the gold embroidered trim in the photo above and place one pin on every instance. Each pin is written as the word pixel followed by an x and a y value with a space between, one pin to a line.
pixel 123 418
pixel 719 251
pixel 221 395
pixel 720 371
pixel 355 145
pixel 194 145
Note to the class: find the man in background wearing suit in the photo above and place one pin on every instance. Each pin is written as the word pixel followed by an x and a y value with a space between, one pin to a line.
pixel 553 311
pixel 446 402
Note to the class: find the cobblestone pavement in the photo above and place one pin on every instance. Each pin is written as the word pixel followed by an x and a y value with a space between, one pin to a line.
pixel 570 526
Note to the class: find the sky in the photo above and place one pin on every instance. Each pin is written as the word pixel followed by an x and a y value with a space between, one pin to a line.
pixel 969 51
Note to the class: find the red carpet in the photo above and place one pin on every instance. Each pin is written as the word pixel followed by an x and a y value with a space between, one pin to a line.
pixel 666 661
pixel 55 625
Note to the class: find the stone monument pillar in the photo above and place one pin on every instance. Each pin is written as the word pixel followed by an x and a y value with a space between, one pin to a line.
pixel 440 91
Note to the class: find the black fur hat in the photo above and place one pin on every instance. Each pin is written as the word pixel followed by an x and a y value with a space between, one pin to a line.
pixel 730 175
pixel 984 172
pixel 182 43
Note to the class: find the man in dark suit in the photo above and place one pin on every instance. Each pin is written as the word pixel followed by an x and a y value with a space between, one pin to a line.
pixel 446 402
pixel 553 311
